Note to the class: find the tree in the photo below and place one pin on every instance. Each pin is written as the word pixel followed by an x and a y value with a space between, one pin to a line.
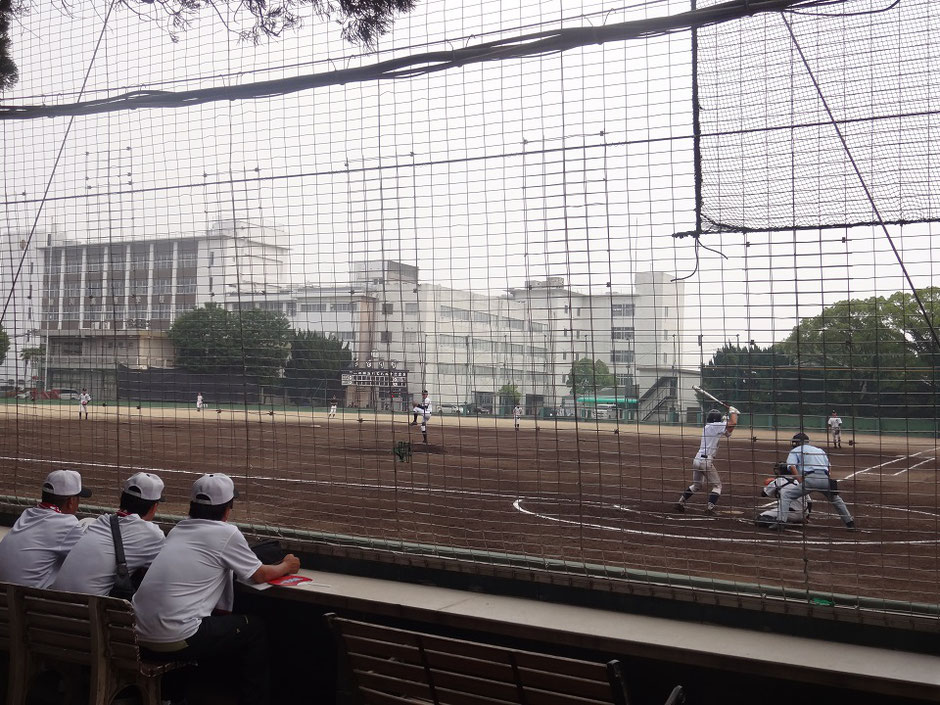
pixel 508 396
pixel 362 21
pixel 4 344
pixel 587 376
pixel 212 340
pixel 874 357
pixel 35 356
pixel 315 367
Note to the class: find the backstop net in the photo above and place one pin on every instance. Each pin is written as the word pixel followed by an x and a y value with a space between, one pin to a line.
pixel 254 258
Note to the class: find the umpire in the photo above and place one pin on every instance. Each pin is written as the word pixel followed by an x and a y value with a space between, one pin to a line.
pixel 811 465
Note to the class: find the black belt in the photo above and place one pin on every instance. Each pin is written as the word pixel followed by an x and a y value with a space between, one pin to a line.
pixel 703 456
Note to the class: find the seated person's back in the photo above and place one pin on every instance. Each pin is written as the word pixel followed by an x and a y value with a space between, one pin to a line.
pixel 90 566
pixel 35 548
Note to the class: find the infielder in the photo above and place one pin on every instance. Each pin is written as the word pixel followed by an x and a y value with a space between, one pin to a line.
pixel 810 465
pixel 516 415
pixel 424 409
pixel 199 401
pixel 835 425
pixel 799 509
pixel 84 399
pixel 333 403
pixel 703 465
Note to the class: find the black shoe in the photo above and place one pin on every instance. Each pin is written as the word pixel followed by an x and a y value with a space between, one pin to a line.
pixel 413 423
pixel 850 525
pixel 679 507
pixel 711 511
pixel 778 526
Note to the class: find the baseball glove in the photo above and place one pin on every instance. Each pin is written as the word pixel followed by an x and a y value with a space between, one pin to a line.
pixel 781 469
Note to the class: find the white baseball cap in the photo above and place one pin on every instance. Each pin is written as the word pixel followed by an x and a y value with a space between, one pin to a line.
pixel 65 483
pixel 214 489
pixel 145 486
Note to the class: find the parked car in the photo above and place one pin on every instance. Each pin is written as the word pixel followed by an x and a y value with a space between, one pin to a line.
pixel 451 409
pixel 69 394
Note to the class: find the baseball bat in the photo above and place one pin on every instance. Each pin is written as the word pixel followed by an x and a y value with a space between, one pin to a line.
pixel 696 388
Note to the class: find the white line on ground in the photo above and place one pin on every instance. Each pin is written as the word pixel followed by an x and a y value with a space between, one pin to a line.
pixel 922 462
pixel 890 462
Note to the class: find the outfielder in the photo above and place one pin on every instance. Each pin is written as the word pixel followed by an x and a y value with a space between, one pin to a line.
pixel 333 403
pixel 810 465
pixel 424 409
pixel 516 415
pixel 835 424
pixel 84 400
pixel 703 466
pixel 799 509
pixel 199 402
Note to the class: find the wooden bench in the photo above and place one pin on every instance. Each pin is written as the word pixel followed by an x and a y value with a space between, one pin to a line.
pixel 389 666
pixel 47 627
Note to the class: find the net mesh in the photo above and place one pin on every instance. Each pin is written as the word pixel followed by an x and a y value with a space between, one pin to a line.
pixel 264 287
pixel 835 125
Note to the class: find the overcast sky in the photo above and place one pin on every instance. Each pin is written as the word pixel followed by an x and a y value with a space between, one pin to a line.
pixel 576 164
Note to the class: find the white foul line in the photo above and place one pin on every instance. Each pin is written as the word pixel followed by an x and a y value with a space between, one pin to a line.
pixel 922 462
pixel 875 467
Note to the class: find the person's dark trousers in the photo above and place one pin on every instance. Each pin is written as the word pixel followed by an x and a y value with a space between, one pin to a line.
pixel 241 643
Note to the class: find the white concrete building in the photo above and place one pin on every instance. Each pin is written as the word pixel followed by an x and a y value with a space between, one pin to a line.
pixel 20 266
pixel 105 304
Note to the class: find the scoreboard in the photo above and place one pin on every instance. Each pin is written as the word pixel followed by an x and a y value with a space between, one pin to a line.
pixel 371 377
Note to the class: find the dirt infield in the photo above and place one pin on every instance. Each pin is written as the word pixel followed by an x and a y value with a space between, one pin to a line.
pixel 581 492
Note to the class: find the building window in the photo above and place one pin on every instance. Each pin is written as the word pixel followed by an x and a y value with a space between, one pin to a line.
pixel 346 335
pixel 116 287
pixel 344 308
pixel 187 259
pixel 625 381
pixel 388 309
pixel 93 289
pixel 186 285
pixel 162 286
pixel 211 259
pixel 271 305
pixel 312 308
pixel 161 311
pixel 621 310
pixel 183 308
pixel 93 313
pixel 73 289
pixel 140 260
pixel 621 333
pixel 410 336
pixel 70 313
pixel 411 307
pixel 386 336
pixel 95 262
pixel 621 356
pixel 138 287
pixel 291 308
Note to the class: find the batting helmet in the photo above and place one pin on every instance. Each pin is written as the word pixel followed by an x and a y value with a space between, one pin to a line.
pixel 712 416
pixel 799 439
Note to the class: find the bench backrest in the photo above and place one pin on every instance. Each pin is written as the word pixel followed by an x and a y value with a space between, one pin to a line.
pixel 6 596
pixel 397 666
pixel 75 628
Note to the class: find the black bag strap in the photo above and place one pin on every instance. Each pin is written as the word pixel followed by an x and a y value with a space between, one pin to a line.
pixel 119 557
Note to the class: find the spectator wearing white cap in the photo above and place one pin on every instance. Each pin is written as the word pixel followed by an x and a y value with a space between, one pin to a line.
pixel 178 601
pixel 90 566
pixel 34 549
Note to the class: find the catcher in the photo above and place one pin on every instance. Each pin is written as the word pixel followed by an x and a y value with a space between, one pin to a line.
pixel 798 511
